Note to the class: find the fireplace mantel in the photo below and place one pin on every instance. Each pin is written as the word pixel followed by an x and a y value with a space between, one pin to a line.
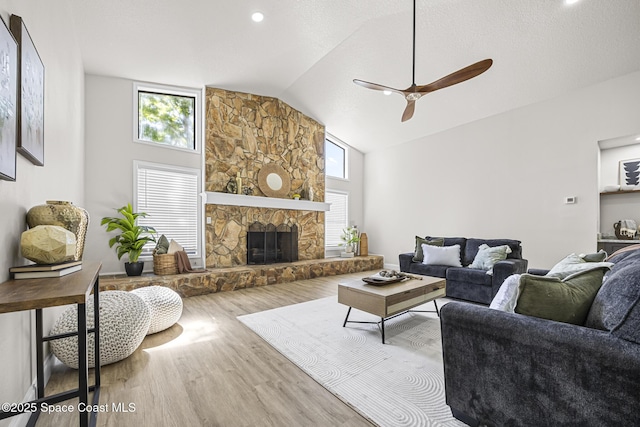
pixel 229 199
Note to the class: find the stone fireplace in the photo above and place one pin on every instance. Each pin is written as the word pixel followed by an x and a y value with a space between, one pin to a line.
pixel 244 133
pixel 229 228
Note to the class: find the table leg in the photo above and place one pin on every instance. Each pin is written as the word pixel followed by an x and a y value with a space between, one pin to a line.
pixel 83 369
pixel 382 326
pixel 346 318
pixel 39 367
pixel 96 334
pixel 436 305
pixel 39 355
pixel 96 350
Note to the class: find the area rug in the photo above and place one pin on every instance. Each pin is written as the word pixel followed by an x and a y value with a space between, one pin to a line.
pixel 399 383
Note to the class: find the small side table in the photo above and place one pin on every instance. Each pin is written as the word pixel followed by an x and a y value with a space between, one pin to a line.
pixel 37 294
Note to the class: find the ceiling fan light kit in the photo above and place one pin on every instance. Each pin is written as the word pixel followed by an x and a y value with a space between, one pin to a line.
pixel 414 92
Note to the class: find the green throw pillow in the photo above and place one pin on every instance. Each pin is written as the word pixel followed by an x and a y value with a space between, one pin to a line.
pixel 418 255
pixel 567 300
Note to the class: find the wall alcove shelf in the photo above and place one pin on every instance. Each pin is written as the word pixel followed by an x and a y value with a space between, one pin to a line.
pixel 607 193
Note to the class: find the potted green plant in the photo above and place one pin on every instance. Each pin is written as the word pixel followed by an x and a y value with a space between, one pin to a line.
pixel 350 238
pixel 131 237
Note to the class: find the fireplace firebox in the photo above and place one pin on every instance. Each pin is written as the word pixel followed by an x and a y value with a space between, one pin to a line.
pixel 268 244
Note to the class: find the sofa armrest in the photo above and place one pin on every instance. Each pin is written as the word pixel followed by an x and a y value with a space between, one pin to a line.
pixel 509 369
pixel 504 269
pixel 405 261
pixel 538 271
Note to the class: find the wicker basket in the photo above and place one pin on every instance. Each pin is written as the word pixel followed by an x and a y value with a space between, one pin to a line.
pixel 165 264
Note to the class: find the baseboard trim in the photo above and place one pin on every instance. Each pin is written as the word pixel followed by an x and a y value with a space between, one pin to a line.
pixel 22 419
pixel 392 266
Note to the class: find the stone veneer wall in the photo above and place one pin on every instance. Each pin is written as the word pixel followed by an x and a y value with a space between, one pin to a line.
pixel 244 132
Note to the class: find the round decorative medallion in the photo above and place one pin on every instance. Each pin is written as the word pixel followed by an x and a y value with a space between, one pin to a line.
pixel 274 181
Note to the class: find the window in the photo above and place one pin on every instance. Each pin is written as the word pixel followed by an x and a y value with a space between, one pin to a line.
pixel 335 159
pixel 336 219
pixel 170 197
pixel 167 116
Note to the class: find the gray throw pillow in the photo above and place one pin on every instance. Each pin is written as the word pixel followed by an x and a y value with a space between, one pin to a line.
pixel 487 256
pixel 599 256
pixel 572 264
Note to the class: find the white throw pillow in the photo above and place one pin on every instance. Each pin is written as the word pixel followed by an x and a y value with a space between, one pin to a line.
pixel 441 255
pixel 487 256
pixel 507 296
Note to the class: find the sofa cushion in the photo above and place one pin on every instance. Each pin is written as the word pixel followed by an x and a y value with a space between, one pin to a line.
pixel 469 275
pixel 429 270
pixel 418 257
pixel 445 255
pixel 487 256
pixel 616 307
pixel 472 246
pixel 567 300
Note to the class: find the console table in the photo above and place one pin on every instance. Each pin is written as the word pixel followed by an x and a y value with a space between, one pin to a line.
pixel 37 294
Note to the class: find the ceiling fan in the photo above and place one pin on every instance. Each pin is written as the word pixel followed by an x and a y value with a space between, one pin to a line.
pixel 414 92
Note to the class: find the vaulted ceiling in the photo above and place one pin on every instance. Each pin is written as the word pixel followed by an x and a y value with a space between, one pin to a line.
pixel 308 52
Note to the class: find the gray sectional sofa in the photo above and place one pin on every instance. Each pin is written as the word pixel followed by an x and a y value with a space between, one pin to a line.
pixel 508 369
pixel 468 283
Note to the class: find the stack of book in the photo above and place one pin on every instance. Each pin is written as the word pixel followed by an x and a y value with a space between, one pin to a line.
pixel 36 271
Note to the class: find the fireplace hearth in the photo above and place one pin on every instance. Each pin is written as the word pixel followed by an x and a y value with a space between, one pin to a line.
pixel 268 243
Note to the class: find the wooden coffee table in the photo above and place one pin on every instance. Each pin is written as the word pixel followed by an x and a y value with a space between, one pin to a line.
pixel 391 300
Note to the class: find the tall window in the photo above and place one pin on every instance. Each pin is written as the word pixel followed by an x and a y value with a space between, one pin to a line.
pixel 170 197
pixel 336 219
pixel 335 159
pixel 167 116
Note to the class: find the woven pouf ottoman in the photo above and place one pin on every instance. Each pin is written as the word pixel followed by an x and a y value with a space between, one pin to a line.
pixel 165 306
pixel 124 322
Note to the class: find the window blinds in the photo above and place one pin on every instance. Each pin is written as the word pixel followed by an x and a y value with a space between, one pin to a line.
pixel 170 198
pixel 336 219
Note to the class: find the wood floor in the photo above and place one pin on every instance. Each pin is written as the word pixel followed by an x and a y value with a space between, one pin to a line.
pixel 211 370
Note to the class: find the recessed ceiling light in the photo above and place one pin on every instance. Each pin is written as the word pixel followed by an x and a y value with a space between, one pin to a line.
pixel 257 16
pixel 638 138
pixel 386 92
pixel 570 2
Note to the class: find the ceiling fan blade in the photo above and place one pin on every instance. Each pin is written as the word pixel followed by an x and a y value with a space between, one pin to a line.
pixel 408 111
pixel 376 86
pixel 458 76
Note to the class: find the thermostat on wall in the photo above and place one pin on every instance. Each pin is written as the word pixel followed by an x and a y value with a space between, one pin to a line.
pixel 570 200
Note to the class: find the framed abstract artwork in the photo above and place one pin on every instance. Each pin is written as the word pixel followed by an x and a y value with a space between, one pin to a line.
pixel 8 103
pixel 630 173
pixel 31 95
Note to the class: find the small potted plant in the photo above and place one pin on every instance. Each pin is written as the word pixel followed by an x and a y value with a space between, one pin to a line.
pixel 350 238
pixel 131 238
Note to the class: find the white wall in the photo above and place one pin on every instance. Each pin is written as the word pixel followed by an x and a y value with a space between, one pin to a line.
pixel 354 185
pixel 110 152
pixel 61 178
pixel 615 207
pixel 503 177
